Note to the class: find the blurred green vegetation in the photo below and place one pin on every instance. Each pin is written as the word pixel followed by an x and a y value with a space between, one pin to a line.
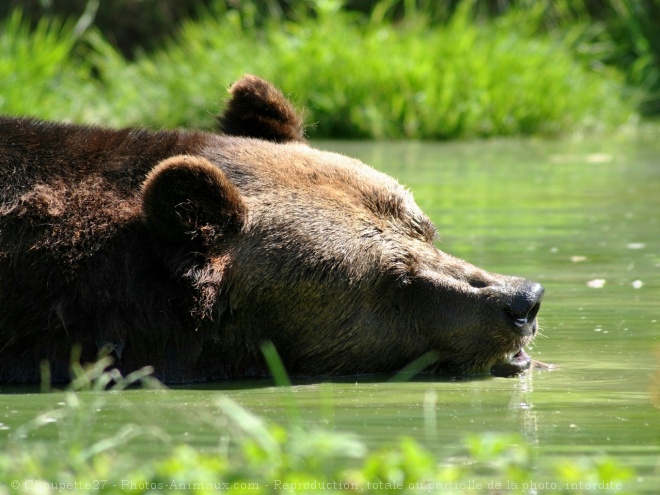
pixel 358 69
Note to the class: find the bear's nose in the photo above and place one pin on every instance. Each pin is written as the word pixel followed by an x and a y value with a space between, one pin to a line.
pixel 525 304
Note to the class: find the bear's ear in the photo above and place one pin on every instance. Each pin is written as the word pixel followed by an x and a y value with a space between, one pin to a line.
pixel 188 198
pixel 258 109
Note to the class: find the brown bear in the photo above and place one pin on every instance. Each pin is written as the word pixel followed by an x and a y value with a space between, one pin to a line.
pixel 187 250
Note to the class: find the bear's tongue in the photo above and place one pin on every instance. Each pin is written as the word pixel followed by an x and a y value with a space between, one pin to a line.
pixel 511 366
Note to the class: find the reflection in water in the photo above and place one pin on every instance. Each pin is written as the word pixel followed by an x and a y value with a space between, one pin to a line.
pixel 430 419
pixel 522 404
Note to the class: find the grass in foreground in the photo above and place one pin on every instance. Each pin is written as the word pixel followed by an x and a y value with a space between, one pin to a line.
pixel 261 457
pixel 354 76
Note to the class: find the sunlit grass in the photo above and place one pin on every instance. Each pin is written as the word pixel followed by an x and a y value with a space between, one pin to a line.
pixel 38 73
pixel 353 76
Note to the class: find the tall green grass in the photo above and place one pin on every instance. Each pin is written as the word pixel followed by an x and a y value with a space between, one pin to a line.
pixel 38 72
pixel 352 75
pixel 357 78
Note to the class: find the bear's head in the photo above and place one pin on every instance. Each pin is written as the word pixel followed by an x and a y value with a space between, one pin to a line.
pixel 324 256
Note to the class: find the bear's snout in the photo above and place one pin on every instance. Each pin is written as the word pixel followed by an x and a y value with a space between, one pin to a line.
pixel 524 306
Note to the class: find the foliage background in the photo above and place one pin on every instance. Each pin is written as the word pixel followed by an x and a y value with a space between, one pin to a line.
pixel 624 31
pixel 358 69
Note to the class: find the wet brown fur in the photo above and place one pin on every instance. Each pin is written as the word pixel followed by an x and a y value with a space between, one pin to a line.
pixel 258 109
pixel 186 250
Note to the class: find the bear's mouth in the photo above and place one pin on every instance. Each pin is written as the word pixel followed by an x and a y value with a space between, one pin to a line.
pixel 512 364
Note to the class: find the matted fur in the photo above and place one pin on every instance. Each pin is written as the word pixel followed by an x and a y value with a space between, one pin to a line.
pixel 187 250
pixel 258 109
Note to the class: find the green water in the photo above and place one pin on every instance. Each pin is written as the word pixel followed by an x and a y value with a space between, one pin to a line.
pixel 569 214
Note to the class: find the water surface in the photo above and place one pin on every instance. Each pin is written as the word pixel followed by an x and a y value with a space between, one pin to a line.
pixel 580 216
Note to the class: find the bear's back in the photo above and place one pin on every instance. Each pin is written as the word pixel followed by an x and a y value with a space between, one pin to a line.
pixel 34 152
pixel 66 189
